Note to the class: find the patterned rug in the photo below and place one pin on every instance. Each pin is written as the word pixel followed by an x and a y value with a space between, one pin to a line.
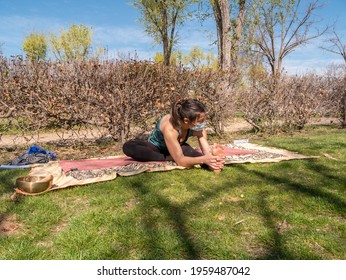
pixel 83 172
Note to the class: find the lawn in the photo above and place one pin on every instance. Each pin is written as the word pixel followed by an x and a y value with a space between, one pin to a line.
pixel 288 210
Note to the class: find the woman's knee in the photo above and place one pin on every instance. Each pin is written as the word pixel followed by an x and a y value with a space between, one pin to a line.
pixel 189 151
pixel 129 147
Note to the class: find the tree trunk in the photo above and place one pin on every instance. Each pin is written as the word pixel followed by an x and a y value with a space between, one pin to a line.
pixel 165 40
pixel 226 38
pixel 223 26
pixel 218 22
pixel 237 34
pixel 343 110
pixel 166 56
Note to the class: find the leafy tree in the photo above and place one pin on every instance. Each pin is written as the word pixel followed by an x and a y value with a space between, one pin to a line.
pixel 158 57
pixel 161 20
pixel 35 46
pixel 211 61
pixel 177 57
pixel 73 43
pixel 196 57
pixel 238 26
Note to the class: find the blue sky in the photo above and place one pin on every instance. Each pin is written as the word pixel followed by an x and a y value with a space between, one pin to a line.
pixel 116 27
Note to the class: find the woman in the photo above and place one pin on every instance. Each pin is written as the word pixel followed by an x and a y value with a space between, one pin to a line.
pixel 168 139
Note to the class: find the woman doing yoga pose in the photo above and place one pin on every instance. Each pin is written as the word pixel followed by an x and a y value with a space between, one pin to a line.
pixel 168 139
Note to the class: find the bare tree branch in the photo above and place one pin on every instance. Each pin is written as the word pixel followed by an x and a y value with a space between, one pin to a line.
pixel 336 45
pixel 281 30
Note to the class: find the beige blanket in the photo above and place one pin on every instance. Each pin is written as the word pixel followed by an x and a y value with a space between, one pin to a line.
pixel 75 178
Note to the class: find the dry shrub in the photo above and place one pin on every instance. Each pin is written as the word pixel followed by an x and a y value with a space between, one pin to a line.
pixel 217 91
pixel 334 93
pixel 124 98
pixel 287 103
pixel 119 98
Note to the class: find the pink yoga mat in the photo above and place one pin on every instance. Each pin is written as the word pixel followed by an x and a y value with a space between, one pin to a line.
pixel 93 164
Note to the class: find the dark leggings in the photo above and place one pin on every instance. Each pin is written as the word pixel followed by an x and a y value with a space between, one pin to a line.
pixel 142 150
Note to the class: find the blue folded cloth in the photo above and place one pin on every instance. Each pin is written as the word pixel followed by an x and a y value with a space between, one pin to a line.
pixel 33 155
pixel 37 149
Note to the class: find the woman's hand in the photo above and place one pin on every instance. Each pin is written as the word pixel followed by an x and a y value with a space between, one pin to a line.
pixel 221 161
pixel 215 163
pixel 219 151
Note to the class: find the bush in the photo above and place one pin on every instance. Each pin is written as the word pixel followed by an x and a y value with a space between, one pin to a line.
pixel 287 103
pixel 122 97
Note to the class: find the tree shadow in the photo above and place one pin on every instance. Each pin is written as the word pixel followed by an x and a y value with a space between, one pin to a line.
pixel 339 205
pixel 7 185
pixel 277 252
pixel 7 179
pixel 178 216
pixel 308 189
pixel 327 172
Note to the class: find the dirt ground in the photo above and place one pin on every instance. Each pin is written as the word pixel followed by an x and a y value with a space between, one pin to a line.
pixel 9 224
pixel 85 144
pixel 15 140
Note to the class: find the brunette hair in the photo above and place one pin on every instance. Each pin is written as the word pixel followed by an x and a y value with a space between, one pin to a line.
pixel 186 108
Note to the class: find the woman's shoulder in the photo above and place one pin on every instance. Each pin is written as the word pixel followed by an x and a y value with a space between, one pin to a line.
pixel 164 121
pixel 166 125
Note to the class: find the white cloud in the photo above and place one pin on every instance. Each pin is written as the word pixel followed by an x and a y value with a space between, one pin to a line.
pixel 317 66
pixel 125 40
pixel 310 58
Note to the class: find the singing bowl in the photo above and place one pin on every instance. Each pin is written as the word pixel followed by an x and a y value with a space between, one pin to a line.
pixel 34 184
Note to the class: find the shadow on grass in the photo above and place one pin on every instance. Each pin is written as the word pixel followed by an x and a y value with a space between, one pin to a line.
pixel 7 181
pixel 327 172
pixel 178 214
pixel 7 186
pixel 177 217
pixel 339 205
pixel 277 251
pixel 307 188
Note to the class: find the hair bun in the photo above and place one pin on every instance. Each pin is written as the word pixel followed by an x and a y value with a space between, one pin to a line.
pixel 178 105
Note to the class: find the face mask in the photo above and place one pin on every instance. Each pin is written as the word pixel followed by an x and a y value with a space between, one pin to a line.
pixel 198 127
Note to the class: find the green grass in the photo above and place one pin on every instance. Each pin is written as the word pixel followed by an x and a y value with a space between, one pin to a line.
pixel 287 210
